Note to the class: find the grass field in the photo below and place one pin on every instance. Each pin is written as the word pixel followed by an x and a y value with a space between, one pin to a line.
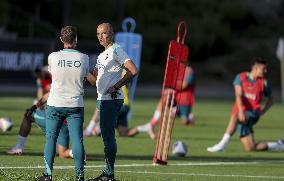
pixel 134 157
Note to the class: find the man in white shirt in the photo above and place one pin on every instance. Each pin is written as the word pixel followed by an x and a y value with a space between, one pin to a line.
pixel 108 71
pixel 68 68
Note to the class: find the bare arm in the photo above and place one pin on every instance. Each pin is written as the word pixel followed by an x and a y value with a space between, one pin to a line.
pixel 39 103
pixel 186 84
pixel 238 95
pixel 131 71
pixel 267 105
pixel 92 78
pixel 39 93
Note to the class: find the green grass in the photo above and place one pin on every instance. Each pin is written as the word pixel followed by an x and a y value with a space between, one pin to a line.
pixel 211 119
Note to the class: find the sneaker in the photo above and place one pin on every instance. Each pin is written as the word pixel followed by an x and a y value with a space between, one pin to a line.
pixel 280 145
pixel 44 178
pixel 151 132
pixel 79 178
pixel 147 128
pixel 86 133
pixel 191 120
pixel 103 177
pixel 15 151
pixel 96 131
pixel 216 148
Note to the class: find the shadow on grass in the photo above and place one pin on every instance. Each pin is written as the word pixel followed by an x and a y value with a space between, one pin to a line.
pixel 100 157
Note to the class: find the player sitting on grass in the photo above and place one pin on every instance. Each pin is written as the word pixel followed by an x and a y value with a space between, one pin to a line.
pixel 184 99
pixel 38 117
pixel 122 123
pixel 250 87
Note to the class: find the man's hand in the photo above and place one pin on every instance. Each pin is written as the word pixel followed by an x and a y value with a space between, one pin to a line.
pixel 30 111
pixel 113 91
pixel 242 117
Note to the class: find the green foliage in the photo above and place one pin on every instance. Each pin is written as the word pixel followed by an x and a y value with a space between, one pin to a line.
pixel 231 32
pixel 4 12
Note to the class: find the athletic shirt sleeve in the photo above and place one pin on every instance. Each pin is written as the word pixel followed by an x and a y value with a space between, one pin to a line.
pixel 120 55
pixel 190 79
pixel 38 83
pixel 96 65
pixel 267 89
pixel 49 62
pixel 87 65
pixel 237 80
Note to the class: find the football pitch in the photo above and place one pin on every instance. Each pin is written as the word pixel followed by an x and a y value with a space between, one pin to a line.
pixel 134 157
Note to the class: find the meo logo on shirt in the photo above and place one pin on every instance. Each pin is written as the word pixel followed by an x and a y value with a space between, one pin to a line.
pixel 250 96
pixel 69 63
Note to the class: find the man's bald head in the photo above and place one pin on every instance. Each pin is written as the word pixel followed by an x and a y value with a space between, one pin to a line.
pixel 105 34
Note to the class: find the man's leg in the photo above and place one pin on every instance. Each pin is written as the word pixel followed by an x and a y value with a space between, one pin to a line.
pixel 184 113
pixel 63 143
pixel 75 121
pixel 230 130
pixel 122 131
pixel 25 128
pixel 248 143
pixel 64 152
pixel 108 113
pixel 272 146
pixel 157 114
pixel 148 127
pixel 24 131
pixel 54 121
pixel 92 124
pixel 122 123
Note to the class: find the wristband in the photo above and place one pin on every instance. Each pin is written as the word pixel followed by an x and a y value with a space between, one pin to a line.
pixel 40 103
pixel 115 87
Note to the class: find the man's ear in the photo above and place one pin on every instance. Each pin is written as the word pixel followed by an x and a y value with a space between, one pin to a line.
pixel 61 39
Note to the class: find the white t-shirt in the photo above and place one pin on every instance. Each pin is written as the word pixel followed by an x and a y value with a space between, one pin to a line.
pixel 110 65
pixel 68 69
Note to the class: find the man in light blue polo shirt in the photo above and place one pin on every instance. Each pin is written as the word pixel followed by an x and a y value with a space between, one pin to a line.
pixel 108 71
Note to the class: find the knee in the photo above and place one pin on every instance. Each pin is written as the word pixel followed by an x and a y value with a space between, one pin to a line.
pixel 123 134
pixel 184 121
pixel 250 149
pixel 61 155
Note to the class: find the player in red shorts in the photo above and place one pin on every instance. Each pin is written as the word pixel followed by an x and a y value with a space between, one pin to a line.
pixel 184 99
pixel 250 88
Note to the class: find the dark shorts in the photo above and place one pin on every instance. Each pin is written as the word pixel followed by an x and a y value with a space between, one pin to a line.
pixel 183 112
pixel 122 116
pixel 63 138
pixel 247 129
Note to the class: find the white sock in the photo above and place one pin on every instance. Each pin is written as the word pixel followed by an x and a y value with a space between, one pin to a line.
pixel 91 126
pixel 144 128
pixel 190 117
pixel 157 115
pixel 225 140
pixel 21 142
pixel 71 153
pixel 272 146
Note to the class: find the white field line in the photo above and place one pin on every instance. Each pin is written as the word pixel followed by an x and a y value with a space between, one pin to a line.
pixel 151 165
pixel 171 173
pixel 205 174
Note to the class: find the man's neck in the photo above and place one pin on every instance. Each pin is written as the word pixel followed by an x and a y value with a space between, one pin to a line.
pixel 68 46
pixel 109 45
pixel 252 76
